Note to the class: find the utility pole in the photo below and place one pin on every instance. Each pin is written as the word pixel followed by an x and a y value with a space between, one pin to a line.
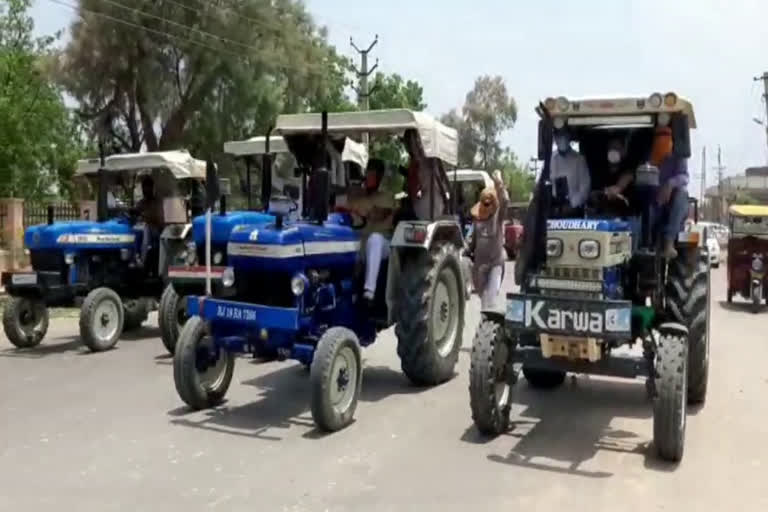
pixel 703 191
pixel 721 202
pixel 764 79
pixel 363 94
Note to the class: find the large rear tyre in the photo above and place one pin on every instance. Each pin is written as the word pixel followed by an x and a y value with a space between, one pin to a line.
pixel 136 313
pixel 172 315
pixel 102 318
pixel 688 304
pixel 698 312
pixel 490 387
pixel 336 376
pixel 671 382
pixel 25 321
pixel 430 315
pixel 543 379
pixel 202 373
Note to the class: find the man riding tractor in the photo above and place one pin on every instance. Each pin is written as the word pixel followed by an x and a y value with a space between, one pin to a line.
pixel 598 275
pixel 298 287
pixel 113 266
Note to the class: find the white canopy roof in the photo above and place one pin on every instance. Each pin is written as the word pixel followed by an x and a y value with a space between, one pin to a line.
pixel 471 175
pixel 255 146
pixel 180 163
pixel 438 140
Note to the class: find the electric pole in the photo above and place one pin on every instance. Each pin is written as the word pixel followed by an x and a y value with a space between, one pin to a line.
pixel 703 175
pixel 764 79
pixel 720 168
pixel 363 94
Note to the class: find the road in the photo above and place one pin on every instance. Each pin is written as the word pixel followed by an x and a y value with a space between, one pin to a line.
pixel 102 432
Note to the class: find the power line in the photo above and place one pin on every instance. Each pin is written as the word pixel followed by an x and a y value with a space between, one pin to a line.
pixel 221 50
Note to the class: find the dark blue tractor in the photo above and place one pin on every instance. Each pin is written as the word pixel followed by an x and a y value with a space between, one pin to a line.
pixel 295 287
pixel 112 267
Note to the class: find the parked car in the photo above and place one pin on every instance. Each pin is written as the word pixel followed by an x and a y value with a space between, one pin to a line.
pixel 713 248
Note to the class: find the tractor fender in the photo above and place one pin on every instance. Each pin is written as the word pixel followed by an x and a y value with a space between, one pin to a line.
pixel 423 233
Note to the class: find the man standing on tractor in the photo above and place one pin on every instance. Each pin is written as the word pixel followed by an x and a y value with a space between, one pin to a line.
pixel 672 198
pixel 378 207
pixel 150 210
pixel 487 244
pixel 569 172
pixel 419 176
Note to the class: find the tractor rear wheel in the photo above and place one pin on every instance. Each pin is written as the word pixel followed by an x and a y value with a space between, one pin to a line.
pixel 25 321
pixel 430 314
pixel 688 304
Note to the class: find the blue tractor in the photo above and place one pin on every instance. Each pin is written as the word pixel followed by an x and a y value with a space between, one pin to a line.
pixel 190 278
pixel 296 287
pixel 593 280
pixel 113 266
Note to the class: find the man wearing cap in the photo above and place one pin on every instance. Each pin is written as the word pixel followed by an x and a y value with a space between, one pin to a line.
pixel 487 242
pixel 672 198
pixel 566 164
pixel 378 207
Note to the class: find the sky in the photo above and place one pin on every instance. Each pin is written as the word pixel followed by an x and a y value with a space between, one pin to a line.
pixel 700 49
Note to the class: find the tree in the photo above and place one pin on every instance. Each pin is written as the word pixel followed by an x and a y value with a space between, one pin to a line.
pixel 518 180
pixel 40 143
pixel 488 111
pixel 161 75
pixel 467 140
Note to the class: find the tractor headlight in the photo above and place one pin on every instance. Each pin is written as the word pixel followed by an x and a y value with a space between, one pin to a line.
pixel 655 100
pixel 298 285
pixel 559 123
pixel 69 258
pixel 228 277
pixel 218 258
pixel 554 247
pixel 757 264
pixel 562 103
pixel 589 249
pixel 125 254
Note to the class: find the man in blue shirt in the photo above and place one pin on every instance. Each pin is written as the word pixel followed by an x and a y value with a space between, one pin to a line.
pixel 672 198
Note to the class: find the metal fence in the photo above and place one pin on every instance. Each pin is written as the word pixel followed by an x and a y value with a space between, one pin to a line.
pixel 37 213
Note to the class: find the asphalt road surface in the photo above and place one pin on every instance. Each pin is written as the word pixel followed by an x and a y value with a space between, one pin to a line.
pixel 102 432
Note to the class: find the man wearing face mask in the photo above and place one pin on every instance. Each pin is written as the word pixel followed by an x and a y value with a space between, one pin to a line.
pixel 620 178
pixel 572 166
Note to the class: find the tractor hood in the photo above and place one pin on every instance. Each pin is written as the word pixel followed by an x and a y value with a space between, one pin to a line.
pixel 293 248
pixel 80 234
pixel 221 225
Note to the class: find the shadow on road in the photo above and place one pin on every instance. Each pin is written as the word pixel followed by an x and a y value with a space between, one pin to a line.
pixel 282 401
pixel 60 345
pixel 741 307
pixel 144 332
pixel 561 430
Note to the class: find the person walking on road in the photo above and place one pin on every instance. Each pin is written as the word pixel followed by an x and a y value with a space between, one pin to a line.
pixel 487 242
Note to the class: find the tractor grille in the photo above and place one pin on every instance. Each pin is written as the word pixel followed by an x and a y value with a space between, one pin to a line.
pixel 265 288
pixel 47 261
pixel 570 294
pixel 577 273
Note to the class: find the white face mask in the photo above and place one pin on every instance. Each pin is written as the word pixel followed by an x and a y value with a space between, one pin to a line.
pixel 614 156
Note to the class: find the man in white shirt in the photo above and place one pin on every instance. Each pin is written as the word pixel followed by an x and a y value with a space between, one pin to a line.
pixel 567 163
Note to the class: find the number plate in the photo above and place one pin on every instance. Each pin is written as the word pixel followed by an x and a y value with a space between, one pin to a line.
pixel 24 279
pixel 570 317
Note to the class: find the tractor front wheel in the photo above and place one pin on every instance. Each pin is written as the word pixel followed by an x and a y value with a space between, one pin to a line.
pixel 669 403
pixel 136 313
pixel 202 372
pixel 430 315
pixel 490 385
pixel 102 318
pixel 336 376
pixel 171 316
pixel 25 321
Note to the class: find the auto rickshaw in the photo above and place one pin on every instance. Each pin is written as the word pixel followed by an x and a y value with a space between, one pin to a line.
pixel 747 253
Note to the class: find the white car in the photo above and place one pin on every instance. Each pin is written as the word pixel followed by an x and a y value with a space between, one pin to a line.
pixel 713 249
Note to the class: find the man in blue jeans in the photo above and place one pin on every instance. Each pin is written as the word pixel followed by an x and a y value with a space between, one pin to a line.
pixel 672 198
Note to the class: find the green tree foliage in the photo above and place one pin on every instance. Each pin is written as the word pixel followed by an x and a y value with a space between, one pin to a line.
pixel 467 139
pixel 489 110
pixel 162 74
pixel 518 179
pixel 40 140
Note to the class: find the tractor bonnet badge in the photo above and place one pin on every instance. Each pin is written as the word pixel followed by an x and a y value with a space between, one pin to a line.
pixel 254 236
